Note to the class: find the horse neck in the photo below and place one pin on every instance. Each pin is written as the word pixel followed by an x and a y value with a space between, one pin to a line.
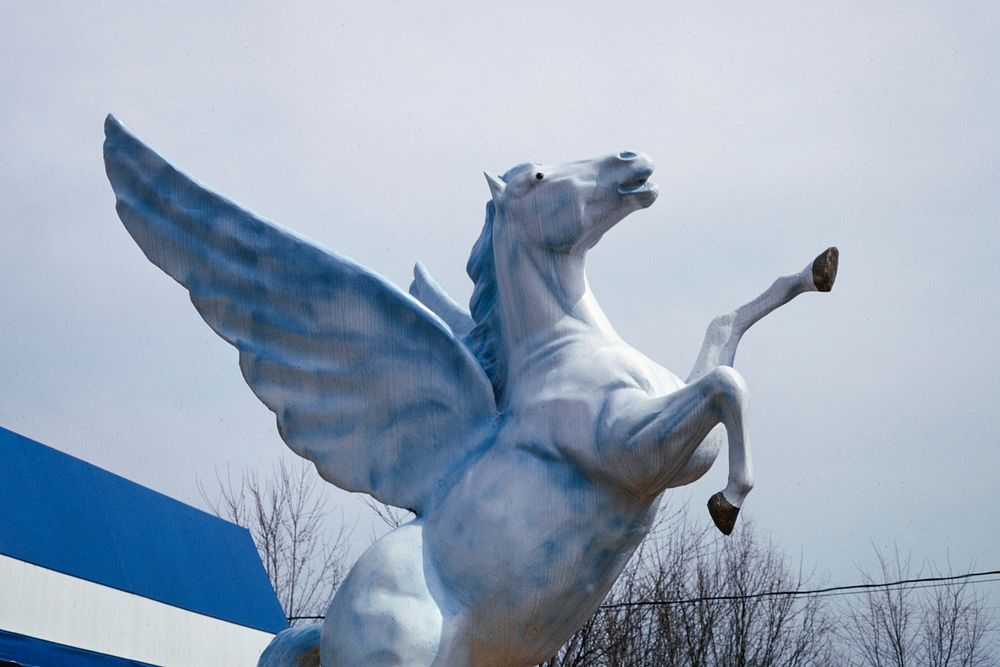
pixel 544 296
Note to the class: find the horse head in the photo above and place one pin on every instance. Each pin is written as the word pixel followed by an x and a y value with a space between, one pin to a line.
pixel 569 207
pixel 527 265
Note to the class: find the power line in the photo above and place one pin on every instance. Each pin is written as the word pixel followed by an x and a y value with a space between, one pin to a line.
pixel 927 582
pixel 818 592
pixel 911 588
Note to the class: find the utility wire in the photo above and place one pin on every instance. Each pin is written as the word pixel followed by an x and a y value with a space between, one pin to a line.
pixel 909 588
pixel 929 582
pixel 819 592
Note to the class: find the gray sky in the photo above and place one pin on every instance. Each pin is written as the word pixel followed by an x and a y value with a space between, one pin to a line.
pixel 777 128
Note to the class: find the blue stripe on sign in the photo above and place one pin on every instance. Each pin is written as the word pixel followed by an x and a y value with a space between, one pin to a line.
pixel 67 515
pixel 31 652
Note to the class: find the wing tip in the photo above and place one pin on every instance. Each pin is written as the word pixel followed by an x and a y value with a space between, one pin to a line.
pixel 115 135
pixel 419 278
pixel 112 126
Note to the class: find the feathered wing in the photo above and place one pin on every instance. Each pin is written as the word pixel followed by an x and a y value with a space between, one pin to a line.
pixel 365 382
pixel 426 290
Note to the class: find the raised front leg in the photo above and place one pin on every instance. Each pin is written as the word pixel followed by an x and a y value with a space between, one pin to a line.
pixel 663 440
pixel 725 331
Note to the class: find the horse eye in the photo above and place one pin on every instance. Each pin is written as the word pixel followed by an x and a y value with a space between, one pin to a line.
pixel 539 176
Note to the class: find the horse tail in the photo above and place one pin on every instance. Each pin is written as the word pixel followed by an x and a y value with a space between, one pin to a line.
pixel 294 647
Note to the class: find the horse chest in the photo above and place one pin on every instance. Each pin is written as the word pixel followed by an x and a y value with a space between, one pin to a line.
pixel 561 401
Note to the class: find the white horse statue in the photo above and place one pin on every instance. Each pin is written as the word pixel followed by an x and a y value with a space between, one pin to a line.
pixel 530 441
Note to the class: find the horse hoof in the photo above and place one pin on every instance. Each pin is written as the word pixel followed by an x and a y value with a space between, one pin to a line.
pixel 723 513
pixel 825 269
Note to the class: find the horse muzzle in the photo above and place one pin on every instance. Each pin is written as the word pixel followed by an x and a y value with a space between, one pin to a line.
pixel 636 181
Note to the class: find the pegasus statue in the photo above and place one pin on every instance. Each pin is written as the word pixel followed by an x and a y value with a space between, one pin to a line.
pixel 531 442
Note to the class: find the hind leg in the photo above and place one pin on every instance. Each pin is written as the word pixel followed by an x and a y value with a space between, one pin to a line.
pixel 384 614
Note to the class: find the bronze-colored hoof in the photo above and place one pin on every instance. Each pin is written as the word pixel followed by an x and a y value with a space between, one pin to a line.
pixel 723 513
pixel 825 269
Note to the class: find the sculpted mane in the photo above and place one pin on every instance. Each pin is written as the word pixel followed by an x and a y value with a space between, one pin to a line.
pixel 484 338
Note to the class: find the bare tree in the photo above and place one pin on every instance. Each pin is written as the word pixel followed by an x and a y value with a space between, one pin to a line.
pixel 393 517
pixel 941 624
pixel 285 515
pixel 880 628
pixel 956 627
pixel 758 624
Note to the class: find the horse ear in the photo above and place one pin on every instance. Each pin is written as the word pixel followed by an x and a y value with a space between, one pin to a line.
pixel 497 186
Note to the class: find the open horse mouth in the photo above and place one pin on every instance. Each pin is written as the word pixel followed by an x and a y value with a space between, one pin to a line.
pixel 639 183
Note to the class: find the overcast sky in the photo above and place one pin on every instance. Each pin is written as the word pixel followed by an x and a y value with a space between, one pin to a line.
pixel 777 129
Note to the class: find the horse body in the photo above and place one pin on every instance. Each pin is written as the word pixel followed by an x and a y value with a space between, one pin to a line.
pixel 534 534
pixel 531 537
pixel 532 443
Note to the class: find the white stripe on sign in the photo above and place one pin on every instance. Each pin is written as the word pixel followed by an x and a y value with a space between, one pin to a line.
pixel 56 607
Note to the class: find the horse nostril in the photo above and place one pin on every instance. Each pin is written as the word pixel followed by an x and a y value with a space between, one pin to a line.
pixel 627 155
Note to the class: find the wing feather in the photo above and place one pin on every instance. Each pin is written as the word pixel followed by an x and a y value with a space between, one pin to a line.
pixel 426 290
pixel 364 381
